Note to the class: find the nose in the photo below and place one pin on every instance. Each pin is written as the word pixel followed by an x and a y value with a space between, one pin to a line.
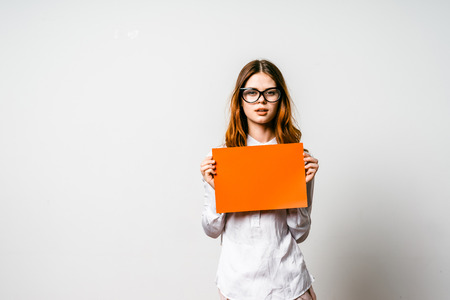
pixel 261 99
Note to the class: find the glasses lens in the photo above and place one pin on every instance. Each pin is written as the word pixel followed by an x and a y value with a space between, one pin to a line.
pixel 250 95
pixel 272 94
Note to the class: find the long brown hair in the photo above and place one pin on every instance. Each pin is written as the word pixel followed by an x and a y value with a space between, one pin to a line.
pixel 285 128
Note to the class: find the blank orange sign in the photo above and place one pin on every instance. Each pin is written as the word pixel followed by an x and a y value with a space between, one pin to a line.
pixel 259 178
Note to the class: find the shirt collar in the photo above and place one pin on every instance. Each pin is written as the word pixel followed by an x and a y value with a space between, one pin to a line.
pixel 252 142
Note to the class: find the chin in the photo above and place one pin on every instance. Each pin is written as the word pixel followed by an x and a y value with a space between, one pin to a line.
pixel 263 121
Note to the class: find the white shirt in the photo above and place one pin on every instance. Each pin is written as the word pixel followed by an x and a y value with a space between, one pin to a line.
pixel 260 258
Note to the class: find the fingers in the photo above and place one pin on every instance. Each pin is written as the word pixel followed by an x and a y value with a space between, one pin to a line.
pixel 311 166
pixel 311 170
pixel 207 167
pixel 207 163
pixel 312 293
pixel 207 159
pixel 210 172
pixel 309 158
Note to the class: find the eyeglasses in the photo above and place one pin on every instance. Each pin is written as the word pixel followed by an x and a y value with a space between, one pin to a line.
pixel 251 95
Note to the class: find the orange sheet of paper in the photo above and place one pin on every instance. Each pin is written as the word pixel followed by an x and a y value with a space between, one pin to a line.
pixel 259 178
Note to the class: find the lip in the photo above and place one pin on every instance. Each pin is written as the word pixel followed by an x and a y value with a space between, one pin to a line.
pixel 261 109
pixel 262 112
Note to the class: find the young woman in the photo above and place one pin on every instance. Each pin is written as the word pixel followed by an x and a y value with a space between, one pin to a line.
pixel 260 258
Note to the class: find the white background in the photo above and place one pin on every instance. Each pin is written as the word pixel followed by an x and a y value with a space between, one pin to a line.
pixel 108 107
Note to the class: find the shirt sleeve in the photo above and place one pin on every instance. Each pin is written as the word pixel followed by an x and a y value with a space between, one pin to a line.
pixel 299 219
pixel 213 223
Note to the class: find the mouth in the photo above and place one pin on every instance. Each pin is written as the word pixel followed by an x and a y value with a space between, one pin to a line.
pixel 261 111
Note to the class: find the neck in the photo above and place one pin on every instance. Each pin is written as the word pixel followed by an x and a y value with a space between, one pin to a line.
pixel 261 132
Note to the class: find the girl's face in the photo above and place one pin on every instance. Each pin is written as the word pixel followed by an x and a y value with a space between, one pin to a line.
pixel 260 112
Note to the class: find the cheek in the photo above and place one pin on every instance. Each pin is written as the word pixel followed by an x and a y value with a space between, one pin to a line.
pixel 245 108
pixel 275 109
pixel 274 112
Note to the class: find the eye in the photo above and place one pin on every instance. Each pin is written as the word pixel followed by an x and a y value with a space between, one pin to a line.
pixel 250 93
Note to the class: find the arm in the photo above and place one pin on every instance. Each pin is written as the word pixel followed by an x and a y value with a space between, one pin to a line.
pixel 299 219
pixel 212 222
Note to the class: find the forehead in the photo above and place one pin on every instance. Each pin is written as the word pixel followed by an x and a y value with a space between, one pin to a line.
pixel 260 81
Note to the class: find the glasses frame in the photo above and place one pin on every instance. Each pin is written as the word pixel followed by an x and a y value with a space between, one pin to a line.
pixel 260 93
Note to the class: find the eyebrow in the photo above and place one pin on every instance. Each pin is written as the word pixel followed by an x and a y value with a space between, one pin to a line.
pixel 252 88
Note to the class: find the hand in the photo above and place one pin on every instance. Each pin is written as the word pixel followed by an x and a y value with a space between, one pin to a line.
pixel 312 293
pixel 311 166
pixel 207 168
